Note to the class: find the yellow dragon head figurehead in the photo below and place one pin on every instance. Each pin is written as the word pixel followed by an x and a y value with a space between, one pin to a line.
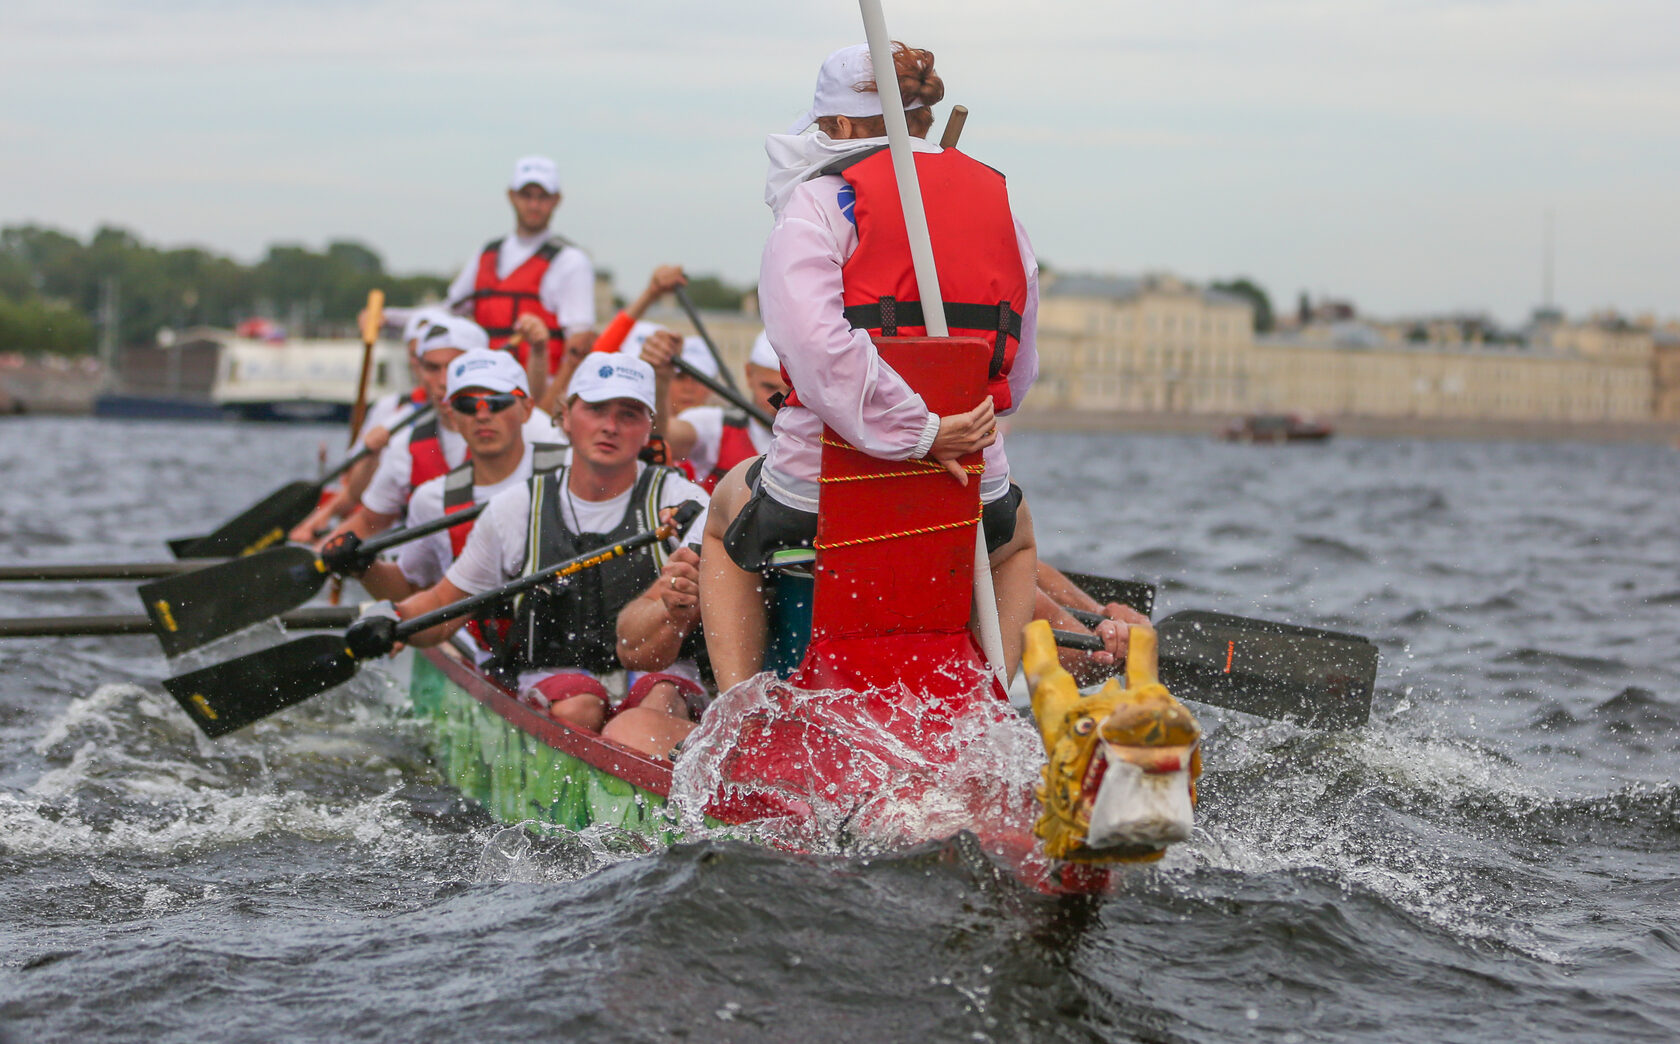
pixel 1121 777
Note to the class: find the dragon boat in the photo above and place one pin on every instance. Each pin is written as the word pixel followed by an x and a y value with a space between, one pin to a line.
pixel 878 688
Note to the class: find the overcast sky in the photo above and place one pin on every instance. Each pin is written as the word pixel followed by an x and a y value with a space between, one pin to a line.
pixel 1402 154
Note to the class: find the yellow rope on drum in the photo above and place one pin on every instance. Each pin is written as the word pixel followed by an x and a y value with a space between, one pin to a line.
pixel 960 523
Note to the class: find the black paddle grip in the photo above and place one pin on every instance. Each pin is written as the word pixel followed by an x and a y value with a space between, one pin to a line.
pixel 345 555
pixel 371 637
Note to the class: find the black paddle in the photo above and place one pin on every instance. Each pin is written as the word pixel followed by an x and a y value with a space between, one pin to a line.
pixel 188 611
pixel 1133 593
pixel 318 617
pixel 106 570
pixel 700 328
pixel 729 395
pixel 1317 678
pixel 267 522
pixel 231 695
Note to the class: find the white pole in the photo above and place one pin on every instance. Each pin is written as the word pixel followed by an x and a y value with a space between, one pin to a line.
pixel 927 286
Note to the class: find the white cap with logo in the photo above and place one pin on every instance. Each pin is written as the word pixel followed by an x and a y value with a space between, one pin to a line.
pixel 535 170
pixel 492 371
pixel 605 376
pixel 452 331
pixel 837 93
pixel 762 354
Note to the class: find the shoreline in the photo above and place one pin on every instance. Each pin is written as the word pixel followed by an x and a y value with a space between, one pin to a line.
pixel 1448 428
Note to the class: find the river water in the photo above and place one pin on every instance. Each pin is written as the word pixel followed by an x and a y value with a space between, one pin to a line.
pixel 1495 857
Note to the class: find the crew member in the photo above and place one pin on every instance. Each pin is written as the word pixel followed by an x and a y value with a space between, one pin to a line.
pixel 432 447
pixel 381 414
pixel 532 273
pixel 640 612
pixel 489 397
pixel 835 271
pixel 713 439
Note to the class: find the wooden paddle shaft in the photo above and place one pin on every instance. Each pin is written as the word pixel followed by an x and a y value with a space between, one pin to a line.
pixel 324 618
pixel 372 319
pixel 954 127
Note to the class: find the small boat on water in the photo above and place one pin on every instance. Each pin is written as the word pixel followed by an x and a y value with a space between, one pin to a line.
pixel 1276 427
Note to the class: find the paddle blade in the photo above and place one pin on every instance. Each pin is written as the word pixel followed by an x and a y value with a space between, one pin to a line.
pixel 260 526
pixel 192 609
pixel 179 546
pixel 232 695
pixel 1104 589
pixel 1318 678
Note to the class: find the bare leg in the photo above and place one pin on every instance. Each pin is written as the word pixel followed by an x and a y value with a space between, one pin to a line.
pixel 654 726
pixel 1015 581
pixel 731 599
pixel 585 711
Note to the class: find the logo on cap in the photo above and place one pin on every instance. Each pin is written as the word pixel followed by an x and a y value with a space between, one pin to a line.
pixel 605 371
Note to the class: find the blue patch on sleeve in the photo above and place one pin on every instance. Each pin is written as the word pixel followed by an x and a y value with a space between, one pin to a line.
pixel 847 198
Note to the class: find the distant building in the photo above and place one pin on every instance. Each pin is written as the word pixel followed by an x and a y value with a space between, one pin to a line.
pixel 1666 371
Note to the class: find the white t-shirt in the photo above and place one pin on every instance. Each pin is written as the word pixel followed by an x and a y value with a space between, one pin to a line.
pixel 496 550
pixel 567 288
pixel 707 422
pixel 389 490
pixel 424 561
pixel 382 413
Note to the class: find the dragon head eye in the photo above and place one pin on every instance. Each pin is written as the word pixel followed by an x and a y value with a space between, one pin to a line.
pixel 1084 726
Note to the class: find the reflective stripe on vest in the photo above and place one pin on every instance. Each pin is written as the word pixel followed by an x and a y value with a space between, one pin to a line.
pixel 973 231
pixel 734 446
pixel 498 302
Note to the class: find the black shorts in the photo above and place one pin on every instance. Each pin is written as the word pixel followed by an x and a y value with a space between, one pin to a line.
pixel 766 525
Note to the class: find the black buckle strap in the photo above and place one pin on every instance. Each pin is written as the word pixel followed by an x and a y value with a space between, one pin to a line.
pixel 888 314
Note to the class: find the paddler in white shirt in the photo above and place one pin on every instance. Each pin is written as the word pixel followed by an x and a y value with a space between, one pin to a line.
pixel 375 434
pixel 825 286
pixel 638 613
pixel 532 283
pixel 489 396
pixel 432 447
pixel 713 439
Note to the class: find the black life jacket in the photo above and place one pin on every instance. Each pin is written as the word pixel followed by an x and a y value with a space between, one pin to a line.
pixel 576 624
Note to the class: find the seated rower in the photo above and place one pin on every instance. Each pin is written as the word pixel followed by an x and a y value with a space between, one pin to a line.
pixel 489 396
pixel 639 612
pixel 837 272
pixel 433 447
pixel 375 434
pixel 1055 593
pixel 714 439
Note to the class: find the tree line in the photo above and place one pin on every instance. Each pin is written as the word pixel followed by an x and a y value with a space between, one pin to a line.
pixel 53 288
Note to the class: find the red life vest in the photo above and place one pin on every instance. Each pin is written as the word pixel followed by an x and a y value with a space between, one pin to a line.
pixel 425 454
pixel 735 446
pixel 974 245
pixel 498 302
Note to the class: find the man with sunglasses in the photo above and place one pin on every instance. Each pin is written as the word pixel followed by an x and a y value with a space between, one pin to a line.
pixel 434 446
pixel 490 401
pixel 530 283
pixel 638 613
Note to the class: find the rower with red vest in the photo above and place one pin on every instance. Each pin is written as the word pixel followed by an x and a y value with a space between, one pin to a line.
pixel 532 273
pixel 432 447
pixel 382 413
pixel 713 439
pixel 836 271
pixel 489 396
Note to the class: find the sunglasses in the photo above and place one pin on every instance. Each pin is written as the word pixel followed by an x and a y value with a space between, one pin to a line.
pixel 467 403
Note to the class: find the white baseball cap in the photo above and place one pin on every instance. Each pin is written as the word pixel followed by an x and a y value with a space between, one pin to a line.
pixel 837 93
pixel 763 354
pixel 420 319
pixel 697 355
pixel 605 376
pixel 535 170
pixel 452 331
pixel 492 371
pixel 638 336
